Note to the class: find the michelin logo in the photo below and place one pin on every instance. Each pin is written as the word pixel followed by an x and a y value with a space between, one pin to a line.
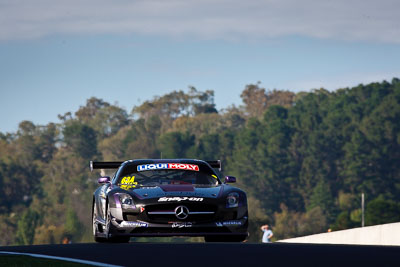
pixel 135 224
pixel 179 199
pixel 228 223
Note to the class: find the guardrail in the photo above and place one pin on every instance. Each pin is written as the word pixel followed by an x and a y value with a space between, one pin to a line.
pixel 384 234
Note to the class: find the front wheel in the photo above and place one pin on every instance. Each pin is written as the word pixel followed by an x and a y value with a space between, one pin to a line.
pixel 95 226
pixel 107 230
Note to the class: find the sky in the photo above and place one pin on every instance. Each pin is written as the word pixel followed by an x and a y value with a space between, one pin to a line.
pixel 54 55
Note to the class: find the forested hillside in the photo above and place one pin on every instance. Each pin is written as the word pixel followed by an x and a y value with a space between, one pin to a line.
pixel 303 158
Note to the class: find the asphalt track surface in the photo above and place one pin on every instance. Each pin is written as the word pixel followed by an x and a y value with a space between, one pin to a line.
pixel 221 254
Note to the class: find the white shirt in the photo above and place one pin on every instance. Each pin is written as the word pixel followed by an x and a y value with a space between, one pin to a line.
pixel 267 233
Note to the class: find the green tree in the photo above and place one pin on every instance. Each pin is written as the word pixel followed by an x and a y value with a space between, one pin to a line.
pixel 176 104
pixel 380 211
pixel 255 100
pixel 176 144
pixel 104 118
pixel 343 222
pixel 26 227
pixel 322 197
pixel 303 159
pixel 73 227
pixel 81 139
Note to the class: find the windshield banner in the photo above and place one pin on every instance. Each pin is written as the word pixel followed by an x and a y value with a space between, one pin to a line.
pixel 172 166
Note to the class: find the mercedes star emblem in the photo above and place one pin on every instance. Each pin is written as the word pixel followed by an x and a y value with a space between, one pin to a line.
pixel 181 212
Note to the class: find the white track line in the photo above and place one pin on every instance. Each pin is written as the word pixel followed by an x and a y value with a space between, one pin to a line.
pixel 61 258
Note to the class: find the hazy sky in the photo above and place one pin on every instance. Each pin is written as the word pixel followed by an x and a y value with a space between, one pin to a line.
pixel 56 54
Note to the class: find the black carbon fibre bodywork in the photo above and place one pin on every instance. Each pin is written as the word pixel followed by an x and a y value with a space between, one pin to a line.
pixel 156 210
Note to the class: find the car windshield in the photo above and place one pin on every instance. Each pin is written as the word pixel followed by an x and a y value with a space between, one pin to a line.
pixel 140 176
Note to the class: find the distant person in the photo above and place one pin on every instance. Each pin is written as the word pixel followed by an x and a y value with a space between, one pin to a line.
pixel 66 240
pixel 267 234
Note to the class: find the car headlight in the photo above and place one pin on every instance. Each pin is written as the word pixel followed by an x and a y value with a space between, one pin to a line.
pixel 232 200
pixel 126 201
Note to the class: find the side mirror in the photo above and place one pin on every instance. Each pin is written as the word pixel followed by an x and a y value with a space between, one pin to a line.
pixel 230 179
pixel 104 180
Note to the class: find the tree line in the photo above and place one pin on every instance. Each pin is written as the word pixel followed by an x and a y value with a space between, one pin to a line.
pixel 303 158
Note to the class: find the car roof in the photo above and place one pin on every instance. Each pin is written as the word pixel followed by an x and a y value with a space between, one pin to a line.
pixel 150 161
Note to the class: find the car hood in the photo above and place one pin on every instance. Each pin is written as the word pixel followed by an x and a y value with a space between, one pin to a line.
pixel 177 191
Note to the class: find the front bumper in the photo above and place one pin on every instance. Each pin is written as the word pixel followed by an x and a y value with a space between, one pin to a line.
pixel 179 228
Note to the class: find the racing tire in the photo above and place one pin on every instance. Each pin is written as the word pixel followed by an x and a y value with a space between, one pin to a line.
pixel 94 226
pixel 233 238
pixel 107 230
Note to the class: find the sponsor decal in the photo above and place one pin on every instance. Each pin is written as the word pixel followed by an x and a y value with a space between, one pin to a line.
pixel 127 187
pixel 128 182
pixel 171 166
pixel 228 223
pixel 181 224
pixel 179 199
pixel 136 224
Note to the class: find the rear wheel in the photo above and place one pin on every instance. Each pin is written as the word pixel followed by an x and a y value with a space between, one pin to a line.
pixel 233 238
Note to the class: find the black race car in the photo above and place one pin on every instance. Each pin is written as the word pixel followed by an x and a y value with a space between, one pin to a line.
pixel 167 197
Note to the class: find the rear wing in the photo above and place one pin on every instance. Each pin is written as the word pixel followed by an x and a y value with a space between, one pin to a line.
pixel 104 165
pixel 216 164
